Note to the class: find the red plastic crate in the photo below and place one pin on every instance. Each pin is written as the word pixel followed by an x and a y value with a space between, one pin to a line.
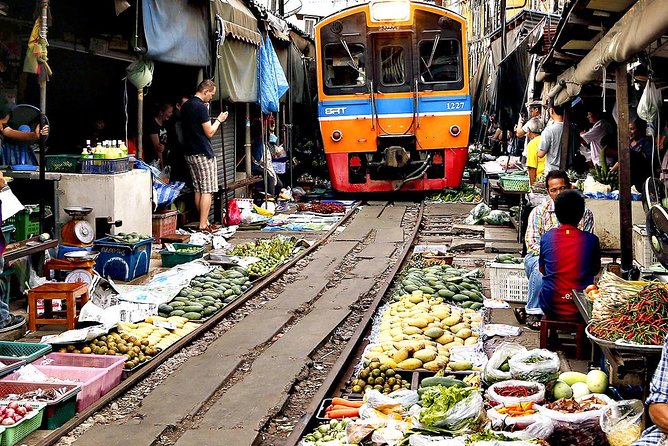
pixel 89 379
pixel 164 223
pixel 112 366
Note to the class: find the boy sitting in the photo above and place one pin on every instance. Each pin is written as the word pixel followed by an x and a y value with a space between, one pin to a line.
pixel 569 259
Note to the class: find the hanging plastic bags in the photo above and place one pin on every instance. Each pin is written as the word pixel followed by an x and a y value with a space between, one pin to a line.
pixel 650 102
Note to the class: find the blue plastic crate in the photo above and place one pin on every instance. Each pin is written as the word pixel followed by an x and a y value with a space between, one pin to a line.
pixel 122 261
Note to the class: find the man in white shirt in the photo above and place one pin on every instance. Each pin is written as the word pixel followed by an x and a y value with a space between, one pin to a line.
pixel 522 128
pixel 593 136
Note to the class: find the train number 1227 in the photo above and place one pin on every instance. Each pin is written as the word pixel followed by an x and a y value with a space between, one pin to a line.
pixel 454 105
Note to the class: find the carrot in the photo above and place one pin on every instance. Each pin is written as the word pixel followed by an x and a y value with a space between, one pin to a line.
pixel 344 402
pixel 337 407
pixel 344 413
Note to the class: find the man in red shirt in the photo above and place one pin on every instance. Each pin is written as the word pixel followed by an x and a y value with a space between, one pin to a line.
pixel 569 259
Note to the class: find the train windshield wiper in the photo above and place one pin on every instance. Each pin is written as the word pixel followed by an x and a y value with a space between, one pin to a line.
pixel 352 62
pixel 433 51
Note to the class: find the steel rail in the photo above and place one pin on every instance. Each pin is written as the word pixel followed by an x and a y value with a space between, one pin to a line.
pixel 341 370
pixel 170 351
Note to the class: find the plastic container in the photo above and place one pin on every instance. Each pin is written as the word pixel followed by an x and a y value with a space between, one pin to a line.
pixel 7 231
pixel 164 223
pixel 90 380
pixel 11 364
pixel 62 163
pixel 26 222
pixel 104 166
pixel 171 258
pixel 642 247
pixel 509 282
pixel 25 351
pixel 111 365
pixel 57 412
pixel 30 423
pixel 122 261
pixel 514 183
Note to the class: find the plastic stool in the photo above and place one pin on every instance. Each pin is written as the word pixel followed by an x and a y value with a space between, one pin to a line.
pixel 69 292
pixel 549 334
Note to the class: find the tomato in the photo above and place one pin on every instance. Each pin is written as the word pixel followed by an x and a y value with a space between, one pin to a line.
pixel 591 287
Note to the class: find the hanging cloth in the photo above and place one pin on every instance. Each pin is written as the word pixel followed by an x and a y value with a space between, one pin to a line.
pixel 36 56
pixel 273 83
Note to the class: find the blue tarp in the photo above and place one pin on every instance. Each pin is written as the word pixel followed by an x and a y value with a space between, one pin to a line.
pixel 273 83
pixel 176 32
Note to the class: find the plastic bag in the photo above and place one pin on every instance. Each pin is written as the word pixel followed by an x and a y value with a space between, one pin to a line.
pixel 577 429
pixel 495 399
pixel 395 401
pixel 650 102
pixel 502 421
pixel 506 350
pixel 541 429
pixel 233 216
pixel 622 422
pixel 497 217
pixel 428 440
pixel 543 371
pixel 466 414
pixel 477 214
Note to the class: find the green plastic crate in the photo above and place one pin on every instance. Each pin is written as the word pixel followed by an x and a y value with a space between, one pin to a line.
pixel 14 434
pixel 62 163
pixel 23 350
pixel 26 221
pixel 170 258
pixel 55 415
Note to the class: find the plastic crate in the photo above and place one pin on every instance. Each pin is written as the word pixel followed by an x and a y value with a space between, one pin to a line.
pixel 62 163
pixel 642 247
pixel 90 380
pixel 170 258
pixel 7 231
pixel 508 282
pixel 111 365
pixel 57 412
pixel 122 261
pixel 32 421
pixel 10 364
pixel 26 351
pixel 105 166
pixel 26 222
pixel 515 183
pixel 164 223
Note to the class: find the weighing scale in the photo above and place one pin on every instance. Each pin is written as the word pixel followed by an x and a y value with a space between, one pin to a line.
pixel 80 265
pixel 77 232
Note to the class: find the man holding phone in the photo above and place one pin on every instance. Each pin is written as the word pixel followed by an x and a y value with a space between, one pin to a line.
pixel 197 133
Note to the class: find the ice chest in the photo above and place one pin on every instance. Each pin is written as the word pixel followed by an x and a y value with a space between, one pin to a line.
pixel 122 261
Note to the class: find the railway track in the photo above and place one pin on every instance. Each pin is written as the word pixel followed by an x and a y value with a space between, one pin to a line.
pixel 358 317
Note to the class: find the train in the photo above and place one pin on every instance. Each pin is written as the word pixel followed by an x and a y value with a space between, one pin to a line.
pixel 394 108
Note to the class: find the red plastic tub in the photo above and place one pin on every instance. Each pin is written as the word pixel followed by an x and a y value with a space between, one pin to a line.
pixel 89 379
pixel 112 366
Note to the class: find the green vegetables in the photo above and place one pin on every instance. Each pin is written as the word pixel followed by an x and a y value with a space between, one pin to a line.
pixel 508 259
pixel 535 359
pixel 270 252
pixel 465 194
pixel 130 237
pixel 437 401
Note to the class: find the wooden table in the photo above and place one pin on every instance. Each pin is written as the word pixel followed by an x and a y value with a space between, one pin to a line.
pixel 28 247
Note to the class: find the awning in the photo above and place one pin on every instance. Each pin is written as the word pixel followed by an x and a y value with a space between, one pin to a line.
pixel 643 24
pixel 238 21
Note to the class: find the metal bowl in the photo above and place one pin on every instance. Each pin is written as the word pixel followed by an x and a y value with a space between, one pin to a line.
pixel 78 211
pixel 81 256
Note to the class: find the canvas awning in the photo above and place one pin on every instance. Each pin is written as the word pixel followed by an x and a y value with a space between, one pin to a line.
pixel 643 24
pixel 238 21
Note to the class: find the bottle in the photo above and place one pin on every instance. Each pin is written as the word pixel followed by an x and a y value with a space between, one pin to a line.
pixel 124 148
pixel 86 150
pixel 98 150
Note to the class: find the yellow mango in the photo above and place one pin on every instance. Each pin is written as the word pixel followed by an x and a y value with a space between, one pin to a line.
pixel 401 355
pixel 409 364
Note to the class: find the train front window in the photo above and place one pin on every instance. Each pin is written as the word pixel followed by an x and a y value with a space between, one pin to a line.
pixel 344 65
pixel 393 65
pixel 440 61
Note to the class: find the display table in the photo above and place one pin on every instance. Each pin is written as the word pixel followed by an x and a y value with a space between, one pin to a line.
pixel 122 196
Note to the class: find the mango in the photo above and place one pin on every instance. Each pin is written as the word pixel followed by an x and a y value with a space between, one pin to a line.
pixel 435 365
pixel 425 355
pixel 410 364
pixel 434 332
pixel 401 355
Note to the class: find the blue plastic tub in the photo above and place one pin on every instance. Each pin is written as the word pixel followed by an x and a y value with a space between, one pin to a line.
pixel 122 261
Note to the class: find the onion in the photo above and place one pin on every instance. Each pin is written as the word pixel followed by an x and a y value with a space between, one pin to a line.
pixel 28 407
pixel 9 412
pixel 17 417
pixel 13 405
pixel 21 410
pixel 8 422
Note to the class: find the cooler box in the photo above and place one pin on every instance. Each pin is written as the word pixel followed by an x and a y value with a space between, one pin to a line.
pixel 122 261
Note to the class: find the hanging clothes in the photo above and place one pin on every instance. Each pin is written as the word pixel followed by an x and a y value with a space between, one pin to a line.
pixel 273 83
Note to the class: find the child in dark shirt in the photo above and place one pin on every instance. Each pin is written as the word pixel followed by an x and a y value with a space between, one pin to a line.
pixel 569 259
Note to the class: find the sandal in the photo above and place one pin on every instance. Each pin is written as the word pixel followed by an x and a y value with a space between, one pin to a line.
pixel 520 314
pixel 533 321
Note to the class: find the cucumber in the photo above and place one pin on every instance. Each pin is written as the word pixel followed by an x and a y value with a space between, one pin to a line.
pixel 165 308
pixel 455 279
pixel 208 311
pixel 195 294
pixel 410 288
pixel 460 297
pixel 228 293
pixel 427 290
pixel 193 316
pixel 476 306
pixel 441 381
pixel 177 313
pixel 445 293
pixel 193 307
pixel 467 304
pixel 177 304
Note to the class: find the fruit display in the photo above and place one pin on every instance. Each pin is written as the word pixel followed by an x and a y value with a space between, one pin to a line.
pixel 576 384
pixel 129 237
pixel 189 250
pixel 448 282
pixel 14 412
pixel 380 377
pixel 602 174
pixel 136 350
pixel 508 259
pixel 154 331
pixel 207 294
pixel 271 253
pixel 418 330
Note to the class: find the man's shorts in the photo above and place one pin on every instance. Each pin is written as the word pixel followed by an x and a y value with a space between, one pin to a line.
pixel 204 173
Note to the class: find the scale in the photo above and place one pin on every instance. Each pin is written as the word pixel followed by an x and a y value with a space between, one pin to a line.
pixel 77 232
pixel 80 265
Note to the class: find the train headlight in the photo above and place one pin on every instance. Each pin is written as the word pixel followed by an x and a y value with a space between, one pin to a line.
pixel 337 135
pixel 455 130
pixel 390 10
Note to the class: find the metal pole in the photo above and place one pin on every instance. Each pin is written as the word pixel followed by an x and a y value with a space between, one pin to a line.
pixel 625 217
pixel 503 29
pixel 140 123
pixel 247 149
pixel 42 105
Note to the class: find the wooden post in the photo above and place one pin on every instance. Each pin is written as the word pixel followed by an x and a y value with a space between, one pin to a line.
pixel 247 148
pixel 140 123
pixel 625 217
pixel 44 8
pixel 565 135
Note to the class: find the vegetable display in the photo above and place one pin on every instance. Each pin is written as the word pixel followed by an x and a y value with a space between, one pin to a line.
pixel 331 434
pixel 130 237
pixel 509 259
pixel 379 377
pixel 343 408
pixel 14 412
pixel 613 292
pixel 438 400
pixel 571 405
pixel 270 252
pixel 465 194
pixel 517 410
pixel 319 207
pixel 643 319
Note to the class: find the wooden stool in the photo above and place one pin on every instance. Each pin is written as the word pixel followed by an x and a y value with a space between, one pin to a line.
pixel 69 292
pixel 549 337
